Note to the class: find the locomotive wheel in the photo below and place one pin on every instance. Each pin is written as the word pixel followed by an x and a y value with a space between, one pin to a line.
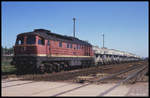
pixel 54 67
pixel 46 67
pixel 58 68
pixel 66 67
pixel 69 68
pixel 42 68
pixel 61 67
pixel 82 65
pixel 50 68
pixel 88 64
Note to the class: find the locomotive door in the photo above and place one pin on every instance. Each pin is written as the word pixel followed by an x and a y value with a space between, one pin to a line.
pixel 48 48
pixel 85 50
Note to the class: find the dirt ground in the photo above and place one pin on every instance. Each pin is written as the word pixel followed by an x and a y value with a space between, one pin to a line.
pixel 43 88
pixel 139 89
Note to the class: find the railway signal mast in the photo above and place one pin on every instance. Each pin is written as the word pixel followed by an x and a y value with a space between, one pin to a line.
pixel 74 27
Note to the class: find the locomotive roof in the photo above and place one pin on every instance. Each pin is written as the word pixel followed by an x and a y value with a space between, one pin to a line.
pixel 53 36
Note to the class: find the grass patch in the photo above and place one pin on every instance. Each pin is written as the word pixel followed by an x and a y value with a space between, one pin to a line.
pixel 6 63
pixel 6 68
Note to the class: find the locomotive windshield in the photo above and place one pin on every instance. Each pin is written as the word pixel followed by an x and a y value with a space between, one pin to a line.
pixel 30 39
pixel 20 41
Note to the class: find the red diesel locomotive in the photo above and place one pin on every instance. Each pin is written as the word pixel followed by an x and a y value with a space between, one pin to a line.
pixel 44 51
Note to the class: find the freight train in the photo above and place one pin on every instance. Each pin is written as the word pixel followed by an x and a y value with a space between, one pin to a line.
pixel 44 51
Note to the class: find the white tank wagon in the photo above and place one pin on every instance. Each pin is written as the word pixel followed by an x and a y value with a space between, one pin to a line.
pixel 112 56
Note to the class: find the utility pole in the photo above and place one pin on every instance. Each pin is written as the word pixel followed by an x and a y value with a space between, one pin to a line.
pixel 103 40
pixel 74 27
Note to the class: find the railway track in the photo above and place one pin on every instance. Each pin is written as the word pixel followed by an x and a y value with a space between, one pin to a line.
pixel 18 84
pixel 132 68
pixel 131 76
pixel 6 81
pixel 109 77
pixel 121 72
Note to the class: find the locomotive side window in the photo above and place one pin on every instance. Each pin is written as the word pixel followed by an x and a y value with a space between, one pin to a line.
pixel 77 46
pixel 60 44
pixel 20 41
pixel 41 41
pixel 31 40
pixel 70 45
pixel 74 47
pixel 67 45
pixel 48 43
pixel 81 46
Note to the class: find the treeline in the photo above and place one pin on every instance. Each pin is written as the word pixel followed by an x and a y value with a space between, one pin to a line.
pixel 7 51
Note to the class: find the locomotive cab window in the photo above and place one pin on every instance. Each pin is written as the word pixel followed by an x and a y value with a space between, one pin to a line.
pixel 67 45
pixel 60 44
pixel 41 41
pixel 48 43
pixel 20 41
pixel 79 47
pixel 30 39
pixel 76 47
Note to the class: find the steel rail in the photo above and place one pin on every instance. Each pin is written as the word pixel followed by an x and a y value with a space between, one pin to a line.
pixel 118 73
pixel 18 84
pixel 121 72
pixel 126 79
pixel 9 81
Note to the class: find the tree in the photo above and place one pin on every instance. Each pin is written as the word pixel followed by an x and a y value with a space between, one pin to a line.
pixel 2 51
pixel 7 51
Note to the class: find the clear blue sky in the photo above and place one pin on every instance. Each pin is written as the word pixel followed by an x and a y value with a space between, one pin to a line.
pixel 124 24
